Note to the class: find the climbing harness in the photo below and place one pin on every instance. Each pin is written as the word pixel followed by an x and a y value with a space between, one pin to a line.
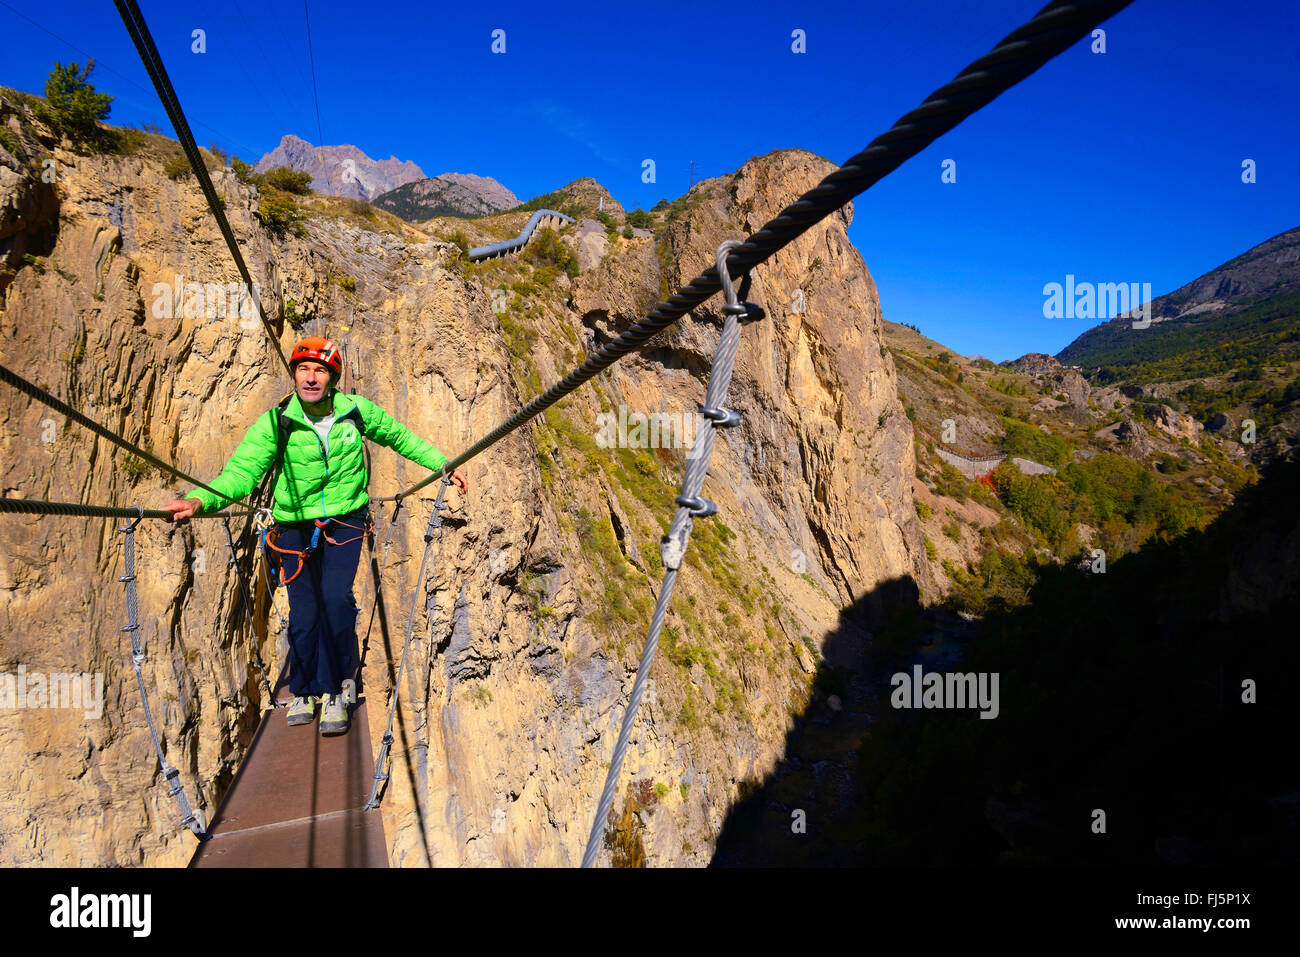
pixel 269 535
pixel 322 525
pixel 302 554
pixel 189 818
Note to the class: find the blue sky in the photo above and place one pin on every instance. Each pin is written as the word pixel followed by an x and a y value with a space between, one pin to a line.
pixel 1115 167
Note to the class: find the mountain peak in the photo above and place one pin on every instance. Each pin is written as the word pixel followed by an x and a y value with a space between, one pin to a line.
pixel 342 170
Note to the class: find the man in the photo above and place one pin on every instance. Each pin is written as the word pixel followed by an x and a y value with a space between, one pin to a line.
pixel 320 497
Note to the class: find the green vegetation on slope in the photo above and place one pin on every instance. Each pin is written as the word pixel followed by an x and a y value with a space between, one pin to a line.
pixel 1190 348
pixel 1112 493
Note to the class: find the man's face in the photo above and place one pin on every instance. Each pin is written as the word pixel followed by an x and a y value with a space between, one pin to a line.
pixel 312 380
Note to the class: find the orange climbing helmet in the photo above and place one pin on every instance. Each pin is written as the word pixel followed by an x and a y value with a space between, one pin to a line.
pixel 318 349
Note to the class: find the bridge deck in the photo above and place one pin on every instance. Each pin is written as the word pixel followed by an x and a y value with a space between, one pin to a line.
pixel 296 801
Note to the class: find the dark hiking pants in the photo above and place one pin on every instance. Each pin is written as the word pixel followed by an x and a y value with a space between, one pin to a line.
pixel 322 609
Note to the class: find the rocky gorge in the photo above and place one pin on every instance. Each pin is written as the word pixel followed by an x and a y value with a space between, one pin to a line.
pixel 531 616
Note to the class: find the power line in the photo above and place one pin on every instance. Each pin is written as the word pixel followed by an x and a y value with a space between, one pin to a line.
pixel 320 137
pixel 140 36
pixel 269 63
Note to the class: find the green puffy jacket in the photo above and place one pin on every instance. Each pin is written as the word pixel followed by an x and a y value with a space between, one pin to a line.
pixel 310 486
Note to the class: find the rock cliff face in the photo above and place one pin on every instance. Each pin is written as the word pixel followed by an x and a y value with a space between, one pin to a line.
pixel 1069 386
pixel 530 619
pixel 1033 364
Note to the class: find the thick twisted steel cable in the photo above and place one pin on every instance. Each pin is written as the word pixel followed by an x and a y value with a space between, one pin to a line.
pixel 40 395
pixel 36 507
pixel 140 36
pixel 1052 30
pixel 674 543
pixel 30 506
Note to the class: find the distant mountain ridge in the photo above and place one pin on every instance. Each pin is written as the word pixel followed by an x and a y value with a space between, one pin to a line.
pixel 340 170
pixel 450 194
pixel 1272 268
pixel 1269 271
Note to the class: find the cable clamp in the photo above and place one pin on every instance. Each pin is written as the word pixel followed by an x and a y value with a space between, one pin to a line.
pixel 698 506
pixel 722 418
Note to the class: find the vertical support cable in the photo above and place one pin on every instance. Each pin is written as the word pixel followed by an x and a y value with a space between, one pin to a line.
pixel 435 522
pixel 189 818
pixel 248 611
pixel 374 606
pixel 690 507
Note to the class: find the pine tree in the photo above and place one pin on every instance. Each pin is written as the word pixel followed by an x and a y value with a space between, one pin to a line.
pixel 76 105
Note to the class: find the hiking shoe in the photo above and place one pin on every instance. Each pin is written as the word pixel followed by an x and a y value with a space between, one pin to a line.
pixel 302 710
pixel 333 715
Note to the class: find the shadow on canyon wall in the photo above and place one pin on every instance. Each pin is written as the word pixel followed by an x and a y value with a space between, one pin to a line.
pixel 1120 693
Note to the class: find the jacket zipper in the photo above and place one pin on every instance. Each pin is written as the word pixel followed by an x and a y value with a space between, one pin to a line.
pixel 325 459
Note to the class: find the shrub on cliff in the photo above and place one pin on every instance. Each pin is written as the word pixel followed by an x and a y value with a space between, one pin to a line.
pixel 279 213
pixel 244 172
pixel 176 167
pixel 546 247
pixel 288 180
pixel 640 218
